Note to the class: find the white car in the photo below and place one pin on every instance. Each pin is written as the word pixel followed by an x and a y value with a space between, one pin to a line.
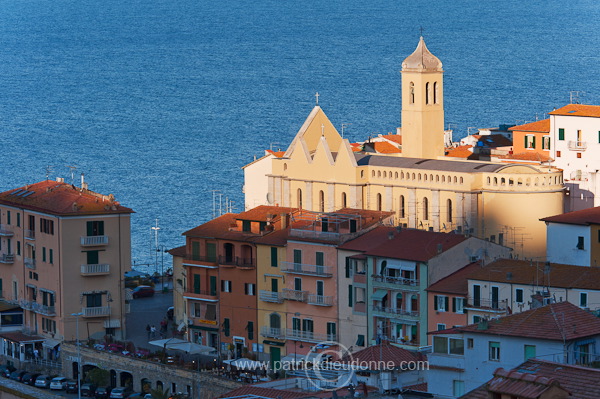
pixel 58 383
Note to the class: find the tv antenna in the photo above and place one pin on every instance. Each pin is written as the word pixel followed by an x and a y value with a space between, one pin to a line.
pixel 574 96
pixel 344 126
pixel 49 169
pixel 73 169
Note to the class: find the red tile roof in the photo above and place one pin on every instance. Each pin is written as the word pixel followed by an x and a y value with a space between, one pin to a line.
pixel 533 156
pixel 580 382
pixel 457 283
pixel 407 244
pixel 384 354
pixel 18 336
pixel 63 199
pixel 270 393
pixel 462 151
pixel 561 321
pixel 264 213
pixel 383 147
pixel 277 154
pixel 584 217
pixel 179 251
pixel 578 110
pixel 418 387
pixel 523 385
pixel 396 138
pixel 532 273
pixel 542 126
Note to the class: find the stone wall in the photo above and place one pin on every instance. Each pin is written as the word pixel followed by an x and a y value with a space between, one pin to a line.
pixel 201 385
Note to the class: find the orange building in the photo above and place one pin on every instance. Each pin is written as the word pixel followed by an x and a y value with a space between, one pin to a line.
pixel 531 142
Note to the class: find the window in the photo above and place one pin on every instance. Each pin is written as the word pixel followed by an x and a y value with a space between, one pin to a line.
pixel 47 226
pixel 412 93
pixel 440 303
pixel 580 242
pixel 529 352
pixel 557 154
pixel 297 283
pixel 211 252
pixel 561 134
pixel 7 217
pixel 344 204
pixel 211 312
pixel 530 141
pixel 95 228
pixel 458 305
pixel 435 93
pixel 197 310
pixel 195 250
pixel 427 96
pixel 18 219
pixel 307 325
pixel 43 254
pixel 361 340
pixel 225 286
pixel 196 284
pixel 379 202
pixel 226 329
pixel 470 343
pixel 213 285
pixel 578 155
pixel 250 288
pixel 456 346
pixel 545 142
pixel 402 209
pixel 449 211
pixel 494 349
pixel 425 209
pixel 250 328
pixel 273 256
pixel 246 226
pixel 321 201
pixel 299 198
pixel 458 388
pixel 50 255
pixel 18 247
pixel 47 298
pixel 441 326
pixel 93 300
pixel 295 324
pixel 583 300
pixel 350 299
pixel 331 331
pixel 92 257
pixel 48 325
pixel 440 345
pixel 519 295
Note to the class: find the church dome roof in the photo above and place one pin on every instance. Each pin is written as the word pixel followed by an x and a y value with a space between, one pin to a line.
pixel 422 59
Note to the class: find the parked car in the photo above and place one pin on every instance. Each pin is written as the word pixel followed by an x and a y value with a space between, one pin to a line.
pixel 6 370
pixel 71 386
pixel 102 392
pixel 88 389
pixel 120 393
pixel 58 383
pixel 142 291
pixel 30 378
pixel 43 381
pixel 17 375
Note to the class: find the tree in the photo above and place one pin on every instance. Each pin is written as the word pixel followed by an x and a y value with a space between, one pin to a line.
pixel 98 376
pixel 159 393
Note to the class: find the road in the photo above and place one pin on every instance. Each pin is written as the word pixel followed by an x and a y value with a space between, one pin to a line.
pixel 146 311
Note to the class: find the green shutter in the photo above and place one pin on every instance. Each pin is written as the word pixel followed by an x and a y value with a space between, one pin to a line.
pixel 350 299
pixel 92 257
pixel 525 141
pixel 43 254
pixel 213 285
pixel 298 284
pixel 211 252
pixel 348 266
pixel 447 300
pixel 226 327
pixel 320 259
pixel 274 285
pixel 51 255
pixel 7 217
pixel 297 256
pixel 273 256
pixel 454 305
pixel 533 142
pixel 361 340
pixel 195 250
pixel 250 330
pixel 561 134
pixel 435 302
pixel 196 283
pixel 599 136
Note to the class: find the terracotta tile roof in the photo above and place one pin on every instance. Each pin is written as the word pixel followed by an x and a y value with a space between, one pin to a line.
pixel 533 156
pixel 580 382
pixel 457 283
pixel 383 147
pixel 270 393
pixel 63 199
pixel 532 273
pixel 18 336
pixel 462 151
pixel 276 238
pixel 264 213
pixel 542 126
pixel 179 251
pixel 523 385
pixel 578 110
pixel 417 387
pixel 584 217
pixel 383 354
pixel 407 244
pixel 277 154
pixel 396 138
pixel 556 322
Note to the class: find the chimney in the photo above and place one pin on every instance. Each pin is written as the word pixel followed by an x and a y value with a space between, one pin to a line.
pixel 283 221
pixel 440 248
pixel 60 179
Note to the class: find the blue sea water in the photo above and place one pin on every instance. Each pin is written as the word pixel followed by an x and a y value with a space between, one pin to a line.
pixel 162 101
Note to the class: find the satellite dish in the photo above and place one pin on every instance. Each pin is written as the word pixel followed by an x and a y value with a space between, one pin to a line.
pixel 269 198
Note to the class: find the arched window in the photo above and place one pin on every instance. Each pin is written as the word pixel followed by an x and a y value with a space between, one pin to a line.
pixel 275 321
pixel 396 175
pixel 285 166
pixel 373 173
pixel 402 175
pixel 425 176
pixel 455 179
pixel 449 211
pixel 495 181
pixel 379 202
pixel 435 93
pixel 437 178
pixel 489 180
pixel 384 174
pixel 399 300
pixel 321 201
pixel 402 209
pixel 419 177
pixel 461 180
pixel 299 199
pixel 362 174
pixel 344 204
pixel 413 176
pixel 383 267
pixel 412 93
pixel 425 208
pixel 427 93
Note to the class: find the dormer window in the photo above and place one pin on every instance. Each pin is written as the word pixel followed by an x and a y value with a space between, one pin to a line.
pixel 246 226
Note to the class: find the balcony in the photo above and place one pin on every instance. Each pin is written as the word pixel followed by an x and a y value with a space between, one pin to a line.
pixel 7 258
pixel 269 332
pixel 30 234
pixel 306 269
pixel 575 145
pixel 99 311
pixel 29 263
pixel 202 295
pixel 294 295
pixel 95 269
pixel 94 241
pixel 37 307
pixel 243 263
pixel 395 313
pixel 320 300
pixel 486 305
pixel 209 262
pixel 359 278
pixel 393 282
pixel 270 296
pixel 308 336
pixel 360 307
pixel 6 230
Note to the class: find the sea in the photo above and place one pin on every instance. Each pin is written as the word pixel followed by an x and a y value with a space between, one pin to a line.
pixel 161 102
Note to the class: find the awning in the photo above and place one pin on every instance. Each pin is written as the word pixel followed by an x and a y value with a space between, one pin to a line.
pixel 50 343
pixel 273 343
pixel 17 336
pixel 379 294
pixel 203 328
pixel 402 266
pixel 6 306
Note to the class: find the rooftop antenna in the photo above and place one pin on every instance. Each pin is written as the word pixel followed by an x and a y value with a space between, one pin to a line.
pixel 49 169
pixel 344 126
pixel 574 96
pixel 469 129
pixel 275 144
pixel 215 193
pixel 73 169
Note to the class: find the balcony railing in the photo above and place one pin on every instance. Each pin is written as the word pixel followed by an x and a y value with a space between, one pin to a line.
pixel 308 336
pixel 321 235
pixel 306 269
pixel 95 269
pixel 202 295
pixel 320 300
pixel 46 310
pixel 295 295
pixel 6 230
pixel 94 240
pixel 576 145
pixel 7 258
pixel 29 262
pixel 395 280
pixel 197 259
pixel 269 332
pixel 270 296
pixel 99 311
pixel 237 261
pixel 30 234
pixel 486 304
pixel 393 311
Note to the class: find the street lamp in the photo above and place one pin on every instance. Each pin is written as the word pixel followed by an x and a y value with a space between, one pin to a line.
pixel 78 353
pixel 162 250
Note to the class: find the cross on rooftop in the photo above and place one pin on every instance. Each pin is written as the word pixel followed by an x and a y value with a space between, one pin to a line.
pixel 317 97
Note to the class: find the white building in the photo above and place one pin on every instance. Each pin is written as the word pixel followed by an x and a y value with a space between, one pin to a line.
pixel 466 357
pixel 575 130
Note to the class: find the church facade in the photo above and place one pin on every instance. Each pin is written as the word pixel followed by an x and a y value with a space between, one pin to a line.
pixel 502 203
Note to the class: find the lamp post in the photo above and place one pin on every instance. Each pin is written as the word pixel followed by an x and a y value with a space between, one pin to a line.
pixel 78 353
pixel 162 250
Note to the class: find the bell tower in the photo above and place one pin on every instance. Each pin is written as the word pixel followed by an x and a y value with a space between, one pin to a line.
pixel 422 104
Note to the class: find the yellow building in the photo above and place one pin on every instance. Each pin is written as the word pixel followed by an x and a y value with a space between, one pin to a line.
pixel 500 202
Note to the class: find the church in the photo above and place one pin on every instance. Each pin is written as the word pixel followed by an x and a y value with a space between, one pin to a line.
pixel 320 171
